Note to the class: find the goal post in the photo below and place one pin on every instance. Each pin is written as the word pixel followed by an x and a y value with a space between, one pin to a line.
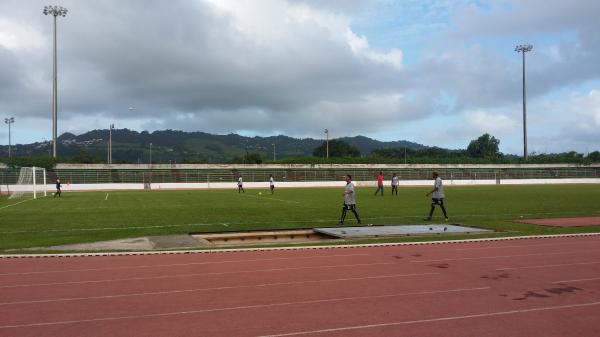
pixel 29 182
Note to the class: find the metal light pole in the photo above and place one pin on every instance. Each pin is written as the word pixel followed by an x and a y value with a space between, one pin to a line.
pixel 524 48
pixel 327 142
pixel 273 151
pixel 9 121
pixel 112 126
pixel 54 11
pixel 150 154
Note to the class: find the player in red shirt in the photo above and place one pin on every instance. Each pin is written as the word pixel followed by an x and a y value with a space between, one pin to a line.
pixel 379 183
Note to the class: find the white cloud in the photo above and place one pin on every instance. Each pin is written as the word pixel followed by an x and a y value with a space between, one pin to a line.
pixel 480 122
pixel 588 110
pixel 15 35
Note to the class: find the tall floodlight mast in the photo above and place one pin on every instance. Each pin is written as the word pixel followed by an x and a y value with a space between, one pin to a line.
pixel 54 11
pixel 9 121
pixel 524 48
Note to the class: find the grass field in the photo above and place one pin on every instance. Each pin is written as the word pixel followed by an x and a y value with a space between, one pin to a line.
pixel 96 216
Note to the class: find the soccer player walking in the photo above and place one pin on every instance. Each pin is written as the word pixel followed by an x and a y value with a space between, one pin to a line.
pixel 349 200
pixel 379 183
pixel 241 185
pixel 395 182
pixel 58 192
pixel 272 184
pixel 437 197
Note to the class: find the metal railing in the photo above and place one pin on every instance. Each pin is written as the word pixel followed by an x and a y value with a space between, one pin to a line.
pixel 98 176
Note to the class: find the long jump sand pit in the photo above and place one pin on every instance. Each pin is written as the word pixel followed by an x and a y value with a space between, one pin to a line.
pixel 564 222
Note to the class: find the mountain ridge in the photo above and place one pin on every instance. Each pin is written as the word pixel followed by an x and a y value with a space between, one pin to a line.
pixel 197 146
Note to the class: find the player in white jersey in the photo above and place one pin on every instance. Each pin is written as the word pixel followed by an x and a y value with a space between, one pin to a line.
pixel 438 196
pixel 395 183
pixel 272 184
pixel 241 185
pixel 349 200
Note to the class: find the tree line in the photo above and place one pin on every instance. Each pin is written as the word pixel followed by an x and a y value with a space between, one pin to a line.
pixel 483 150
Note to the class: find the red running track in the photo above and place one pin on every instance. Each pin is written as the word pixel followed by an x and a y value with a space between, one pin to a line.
pixel 527 287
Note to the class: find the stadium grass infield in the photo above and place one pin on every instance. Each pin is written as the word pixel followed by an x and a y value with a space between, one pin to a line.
pixel 97 216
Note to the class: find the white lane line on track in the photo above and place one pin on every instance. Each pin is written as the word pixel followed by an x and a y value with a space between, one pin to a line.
pixel 504 256
pixel 256 306
pixel 184 264
pixel 549 265
pixel 219 288
pixel 439 319
pixel 577 280
pixel 15 204
pixel 193 274
pixel 529 246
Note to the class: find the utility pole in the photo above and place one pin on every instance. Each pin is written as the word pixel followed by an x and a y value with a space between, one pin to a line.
pixel 327 142
pixel 112 126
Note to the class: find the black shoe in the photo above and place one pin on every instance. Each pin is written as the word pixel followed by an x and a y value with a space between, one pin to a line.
pixel 426 219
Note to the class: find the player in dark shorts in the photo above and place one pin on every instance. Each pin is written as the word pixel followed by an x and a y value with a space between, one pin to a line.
pixel 241 185
pixel 437 196
pixel 379 184
pixel 349 200
pixel 58 192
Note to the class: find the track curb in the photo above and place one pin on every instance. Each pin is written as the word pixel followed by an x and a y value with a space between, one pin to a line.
pixel 258 249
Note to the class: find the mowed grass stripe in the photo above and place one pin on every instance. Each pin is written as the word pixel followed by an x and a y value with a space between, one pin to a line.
pixel 86 217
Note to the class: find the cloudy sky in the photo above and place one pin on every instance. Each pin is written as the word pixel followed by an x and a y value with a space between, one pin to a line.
pixel 437 72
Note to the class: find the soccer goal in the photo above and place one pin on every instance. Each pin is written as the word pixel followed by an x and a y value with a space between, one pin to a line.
pixel 30 183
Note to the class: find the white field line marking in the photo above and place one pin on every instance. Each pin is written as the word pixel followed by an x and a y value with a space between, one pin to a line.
pixel 218 288
pixel 261 197
pixel 110 228
pixel 578 280
pixel 439 319
pixel 16 203
pixel 106 198
pixel 183 264
pixel 528 246
pixel 510 216
pixel 505 256
pixel 245 307
pixel 193 274
pixel 549 265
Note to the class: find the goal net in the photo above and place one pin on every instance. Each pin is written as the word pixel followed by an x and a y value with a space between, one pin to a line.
pixel 30 183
